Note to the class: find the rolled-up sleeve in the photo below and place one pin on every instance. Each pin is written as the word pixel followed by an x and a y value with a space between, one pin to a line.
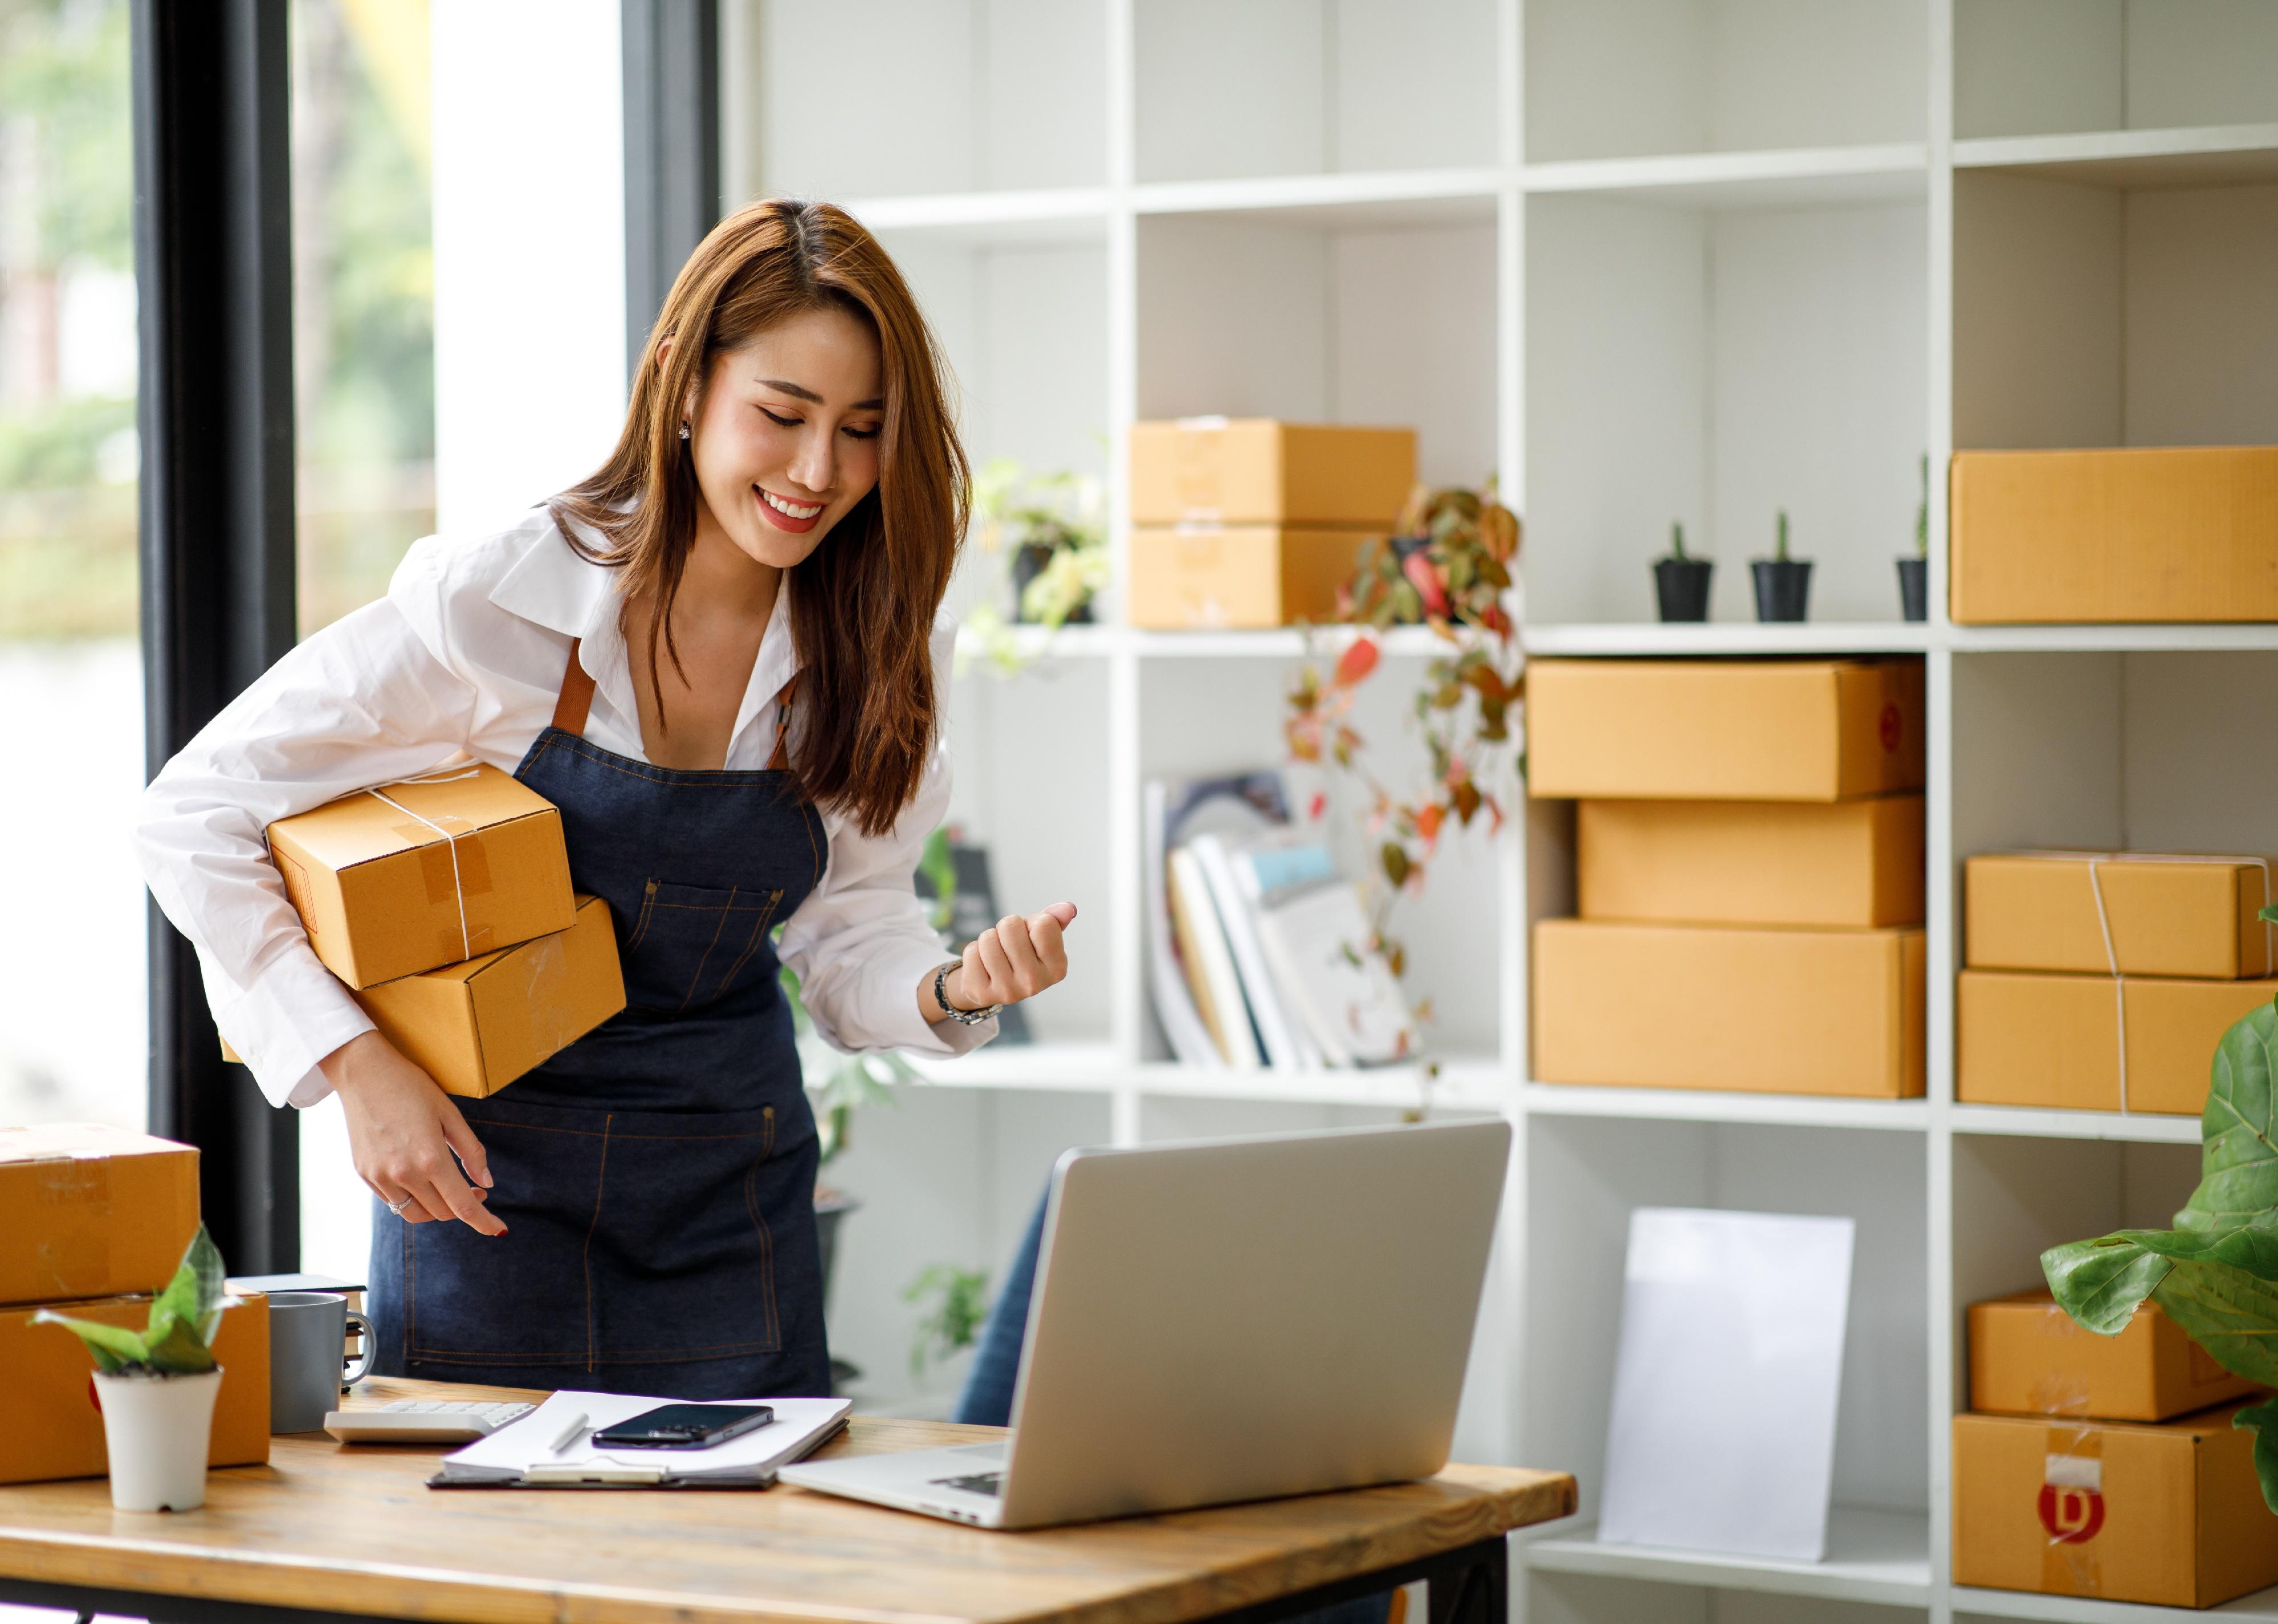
pixel 860 945
pixel 361 703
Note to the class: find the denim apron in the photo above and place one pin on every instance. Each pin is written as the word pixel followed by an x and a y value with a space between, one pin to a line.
pixel 656 1178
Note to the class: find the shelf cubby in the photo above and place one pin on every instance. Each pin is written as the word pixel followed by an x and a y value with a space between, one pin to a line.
pixel 2035 68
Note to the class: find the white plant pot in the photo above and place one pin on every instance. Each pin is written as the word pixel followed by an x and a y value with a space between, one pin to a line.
pixel 156 1430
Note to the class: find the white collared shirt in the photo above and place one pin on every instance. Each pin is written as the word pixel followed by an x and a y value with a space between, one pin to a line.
pixel 466 652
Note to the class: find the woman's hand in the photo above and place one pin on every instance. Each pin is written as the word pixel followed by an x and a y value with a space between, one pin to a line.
pixel 403 1130
pixel 1014 958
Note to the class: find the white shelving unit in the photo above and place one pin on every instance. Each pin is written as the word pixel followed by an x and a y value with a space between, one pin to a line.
pixel 1661 260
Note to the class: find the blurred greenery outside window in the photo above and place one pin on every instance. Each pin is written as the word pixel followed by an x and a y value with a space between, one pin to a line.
pixel 364 297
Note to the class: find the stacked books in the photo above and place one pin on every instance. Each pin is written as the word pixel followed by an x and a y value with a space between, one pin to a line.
pixel 1259 949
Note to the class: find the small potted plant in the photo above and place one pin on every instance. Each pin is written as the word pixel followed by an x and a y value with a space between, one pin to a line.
pixel 1913 573
pixel 156 1386
pixel 1054 526
pixel 1782 583
pixel 1681 581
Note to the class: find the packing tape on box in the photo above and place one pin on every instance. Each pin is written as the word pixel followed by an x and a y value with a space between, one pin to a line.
pixel 2104 922
pixel 458 880
pixel 2071 1511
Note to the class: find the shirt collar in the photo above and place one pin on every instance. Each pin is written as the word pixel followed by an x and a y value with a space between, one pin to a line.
pixel 565 590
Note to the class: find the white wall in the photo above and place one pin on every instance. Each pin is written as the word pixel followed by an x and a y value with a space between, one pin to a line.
pixel 530 251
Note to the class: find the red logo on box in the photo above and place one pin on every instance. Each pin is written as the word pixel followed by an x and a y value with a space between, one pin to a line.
pixel 1889 727
pixel 2072 1515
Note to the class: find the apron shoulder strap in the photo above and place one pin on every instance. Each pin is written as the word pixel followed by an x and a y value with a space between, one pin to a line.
pixel 781 760
pixel 577 699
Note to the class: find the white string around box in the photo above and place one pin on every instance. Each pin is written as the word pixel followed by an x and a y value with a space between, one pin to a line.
pixel 458 886
pixel 2095 860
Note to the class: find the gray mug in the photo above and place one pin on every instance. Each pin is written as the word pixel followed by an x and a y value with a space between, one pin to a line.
pixel 308 1347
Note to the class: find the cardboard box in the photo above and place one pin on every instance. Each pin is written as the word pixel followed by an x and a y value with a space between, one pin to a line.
pixel 1254 470
pixel 2054 1040
pixel 1808 863
pixel 2130 1511
pixel 2027 1357
pixel 2184 533
pixel 1770 1012
pixel 448 866
pixel 88 1210
pixel 53 1428
pixel 2190 917
pixel 1250 574
pixel 476 1026
pixel 1723 730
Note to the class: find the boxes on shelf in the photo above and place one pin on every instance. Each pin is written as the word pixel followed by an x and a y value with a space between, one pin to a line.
pixel 2055 1040
pixel 2181 533
pixel 2161 1512
pixel 405 877
pixel 88 1210
pixel 1256 471
pixel 2157 915
pixel 1763 1010
pixel 1798 863
pixel 476 1026
pixel 1723 730
pixel 2027 1357
pixel 54 1429
pixel 1214 576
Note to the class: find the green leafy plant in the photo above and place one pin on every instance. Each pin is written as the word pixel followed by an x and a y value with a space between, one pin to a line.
pixel 2216 1272
pixel 1779 539
pixel 1677 541
pixel 958 1300
pixel 179 1339
pixel 1055 524
pixel 1922 513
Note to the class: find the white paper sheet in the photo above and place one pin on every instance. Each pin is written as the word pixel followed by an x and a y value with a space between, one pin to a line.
pixel 1723 1431
pixel 524 1450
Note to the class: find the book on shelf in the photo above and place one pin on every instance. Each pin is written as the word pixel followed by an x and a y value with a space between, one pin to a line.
pixel 1259 948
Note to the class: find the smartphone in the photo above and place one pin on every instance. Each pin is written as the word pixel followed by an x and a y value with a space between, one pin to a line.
pixel 684 1426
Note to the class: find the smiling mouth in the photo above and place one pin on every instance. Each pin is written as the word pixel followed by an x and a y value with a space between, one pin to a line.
pixel 788 515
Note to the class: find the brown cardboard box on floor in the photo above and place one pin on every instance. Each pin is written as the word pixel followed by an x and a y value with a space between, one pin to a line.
pixel 2027 1357
pixel 88 1210
pixel 1806 863
pixel 1764 1010
pixel 1238 576
pixel 2168 916
pixel 2054 1040
pixel 1723 730
pixel 2169 1512
pixel 451 864
pixel 476 1026
pixel 2169 533
pixel 53 1429
pixel 1255 470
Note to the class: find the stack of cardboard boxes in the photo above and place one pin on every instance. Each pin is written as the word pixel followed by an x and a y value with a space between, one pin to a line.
pixel 444 903
pixel 2092 1465
pixel 95 1220
pixel 1749 868
pixel 1250 522
pixel 2098 978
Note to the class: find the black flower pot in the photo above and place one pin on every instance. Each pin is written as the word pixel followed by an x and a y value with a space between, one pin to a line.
pixel 1028 564
pixel 1782 587
pixel 1682 586
pixel 1914 588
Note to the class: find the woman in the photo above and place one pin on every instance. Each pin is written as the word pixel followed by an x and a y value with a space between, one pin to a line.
pixel 719 657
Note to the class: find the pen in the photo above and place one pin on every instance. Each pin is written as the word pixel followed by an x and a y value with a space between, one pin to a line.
pixel 568 1433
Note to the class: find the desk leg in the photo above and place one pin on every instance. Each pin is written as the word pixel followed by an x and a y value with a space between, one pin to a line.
pixel 1469 1585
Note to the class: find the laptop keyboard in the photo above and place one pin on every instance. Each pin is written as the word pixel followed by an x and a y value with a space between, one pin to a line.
pixel 978 1482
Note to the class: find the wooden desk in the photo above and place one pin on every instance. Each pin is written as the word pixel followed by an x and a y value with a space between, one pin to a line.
pixel 325 1531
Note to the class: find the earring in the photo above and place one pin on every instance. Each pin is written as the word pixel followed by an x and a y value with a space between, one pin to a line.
pixel 683 431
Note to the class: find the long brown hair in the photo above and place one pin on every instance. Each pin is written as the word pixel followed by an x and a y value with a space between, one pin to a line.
pixel 862 603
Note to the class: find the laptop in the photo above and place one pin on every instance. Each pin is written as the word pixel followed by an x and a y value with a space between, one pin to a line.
pixel 1227 1320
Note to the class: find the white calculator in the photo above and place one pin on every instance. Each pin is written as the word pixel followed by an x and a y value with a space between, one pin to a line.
pixel 415 1421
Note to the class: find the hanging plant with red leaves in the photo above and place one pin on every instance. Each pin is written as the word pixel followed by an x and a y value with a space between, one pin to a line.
pixel 1447 567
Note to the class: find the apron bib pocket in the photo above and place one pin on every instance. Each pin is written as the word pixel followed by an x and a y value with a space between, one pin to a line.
pixel 690 944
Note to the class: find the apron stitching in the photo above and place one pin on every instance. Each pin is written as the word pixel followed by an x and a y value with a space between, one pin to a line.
pixel 696 981
pixel 758 934
pixel 648 909
pixel 657 1356
pixel 411 1289
pixel 600 1177
pixel 721 778
pixel 760 1223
